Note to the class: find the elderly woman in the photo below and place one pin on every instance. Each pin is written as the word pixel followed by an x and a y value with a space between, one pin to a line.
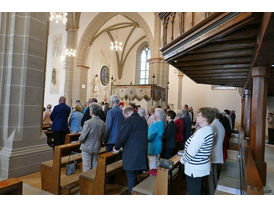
pixel 155 132
pixel 91 137
pixel 196 157
pixel 75 120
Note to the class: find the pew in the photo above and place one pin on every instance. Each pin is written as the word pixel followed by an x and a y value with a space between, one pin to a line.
pixel 167 181
pixel 51 170
pixel 72 137
pixel 52 179
pixel 93 182
pixel 11 186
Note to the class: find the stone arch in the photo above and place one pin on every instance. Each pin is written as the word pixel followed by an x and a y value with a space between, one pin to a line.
pixel 97 22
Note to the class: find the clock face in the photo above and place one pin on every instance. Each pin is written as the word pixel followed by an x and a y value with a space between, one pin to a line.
pixel 104 75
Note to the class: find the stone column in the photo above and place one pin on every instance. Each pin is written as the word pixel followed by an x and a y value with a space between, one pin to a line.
pixel 258 118
pixel 157 65
pixel 72 78
pixel 23 45
pixel 180 86
pixel 247 112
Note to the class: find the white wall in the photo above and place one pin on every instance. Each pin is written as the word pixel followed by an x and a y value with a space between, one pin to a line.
pixel 55 61
pixel 201 95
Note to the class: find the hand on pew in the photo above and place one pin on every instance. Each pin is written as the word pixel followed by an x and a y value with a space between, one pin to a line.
pixel 115 151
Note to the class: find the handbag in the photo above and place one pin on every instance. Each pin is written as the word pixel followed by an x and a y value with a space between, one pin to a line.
pixel 165 163
pixel 71 167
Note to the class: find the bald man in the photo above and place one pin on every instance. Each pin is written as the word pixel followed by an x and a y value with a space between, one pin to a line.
pixel 59 118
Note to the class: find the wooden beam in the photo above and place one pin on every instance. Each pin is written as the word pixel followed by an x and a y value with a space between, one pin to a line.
pixel 213 75
pixel 217 55
pixel 216 67
pixel 260 37
pixel 220 78
pixel 227 45
pixel 214 71
pixel 242 60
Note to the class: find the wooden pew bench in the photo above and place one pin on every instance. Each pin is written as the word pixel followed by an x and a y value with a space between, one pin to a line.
pixel 72 137
pixel 53 177
pixel 93 182
pixel 167 181
pixel 11 186
pixel 51 170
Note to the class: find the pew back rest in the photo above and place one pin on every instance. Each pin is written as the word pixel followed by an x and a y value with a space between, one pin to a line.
pixel 72 137
pixel 162 178
pixel 11 186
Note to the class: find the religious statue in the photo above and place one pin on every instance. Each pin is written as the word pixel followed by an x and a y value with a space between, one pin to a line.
pixel 96 84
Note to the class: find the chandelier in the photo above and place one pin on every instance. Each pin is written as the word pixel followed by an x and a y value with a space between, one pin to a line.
pixel 116 46
pixel 70 52
pixel 58 17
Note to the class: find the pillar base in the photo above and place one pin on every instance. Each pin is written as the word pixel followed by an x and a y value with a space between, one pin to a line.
pixel 18 162
pixel 261 166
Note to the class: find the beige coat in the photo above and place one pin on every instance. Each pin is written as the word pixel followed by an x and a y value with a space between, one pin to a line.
pixel 95 129
pixel 270 121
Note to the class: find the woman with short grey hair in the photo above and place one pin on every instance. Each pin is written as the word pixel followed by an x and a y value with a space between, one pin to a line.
pixel 91 137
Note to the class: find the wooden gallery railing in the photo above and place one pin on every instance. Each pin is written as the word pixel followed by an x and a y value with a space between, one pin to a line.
pixel 250 180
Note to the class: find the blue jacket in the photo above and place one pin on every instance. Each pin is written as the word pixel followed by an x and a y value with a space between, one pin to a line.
pixel 75 125
pixel 113 123
pixel 59 117
pixel 133 139
pixel 155 133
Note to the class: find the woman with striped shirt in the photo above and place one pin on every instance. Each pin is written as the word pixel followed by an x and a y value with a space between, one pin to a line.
pixel 196 157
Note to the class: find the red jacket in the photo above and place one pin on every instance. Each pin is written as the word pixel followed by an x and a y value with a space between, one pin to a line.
pixel 180 127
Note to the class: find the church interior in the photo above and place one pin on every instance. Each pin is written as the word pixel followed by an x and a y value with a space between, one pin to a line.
pixel 221 60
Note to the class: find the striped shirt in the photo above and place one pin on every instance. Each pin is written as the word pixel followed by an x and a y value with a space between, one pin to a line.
pixel 196 157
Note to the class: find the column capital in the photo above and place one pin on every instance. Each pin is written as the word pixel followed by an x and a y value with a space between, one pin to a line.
pixel 261 71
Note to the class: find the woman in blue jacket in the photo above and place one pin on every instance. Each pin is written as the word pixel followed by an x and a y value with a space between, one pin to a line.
pixel 155 133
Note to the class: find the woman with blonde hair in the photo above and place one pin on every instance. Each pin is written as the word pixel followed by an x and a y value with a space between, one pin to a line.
pixel 75 120
pixel 46 116
pixel 155 133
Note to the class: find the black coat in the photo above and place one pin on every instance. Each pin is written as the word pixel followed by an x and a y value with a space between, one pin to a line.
pixel 169 137
pixel 87 116
pixel 132 137
pixel 187 127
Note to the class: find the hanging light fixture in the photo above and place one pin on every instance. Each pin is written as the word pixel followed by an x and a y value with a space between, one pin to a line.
pixel 70 52
pixel 116 46
pixel 58 17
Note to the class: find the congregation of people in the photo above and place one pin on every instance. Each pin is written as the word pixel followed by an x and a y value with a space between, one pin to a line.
pixel 144 138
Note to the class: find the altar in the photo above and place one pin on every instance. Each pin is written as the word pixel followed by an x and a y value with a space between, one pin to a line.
pixel 152 94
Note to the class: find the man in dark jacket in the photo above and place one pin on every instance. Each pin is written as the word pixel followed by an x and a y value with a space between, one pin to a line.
pixel 187 126
pixel 59 118
pixel 87 113
pixel 169 137
pixel 132 137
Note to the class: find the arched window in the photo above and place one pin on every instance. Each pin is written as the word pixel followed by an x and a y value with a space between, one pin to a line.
pixel 142 66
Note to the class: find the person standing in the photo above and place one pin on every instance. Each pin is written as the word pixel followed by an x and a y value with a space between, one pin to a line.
pixel 132 137
pixel 187 126
pixel 270 121
pixel 155 132
pixel 169 137
pixel 59 118
pixel 87 116
pixel 179 132
pixel 233 117
pixel 75 120
pixel 46 116
pixel 196 156
pixel 217 159
pixel 91 137
pixel 113 123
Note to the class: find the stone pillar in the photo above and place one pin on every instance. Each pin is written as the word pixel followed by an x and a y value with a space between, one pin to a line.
pixel 180 91
pixel 72 78
pixel 157 65
pixel 247 112
pixel 242 110
pixel 23 45
pixel 258 118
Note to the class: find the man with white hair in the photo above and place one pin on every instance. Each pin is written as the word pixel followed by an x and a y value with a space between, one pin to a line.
pixel 113 123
